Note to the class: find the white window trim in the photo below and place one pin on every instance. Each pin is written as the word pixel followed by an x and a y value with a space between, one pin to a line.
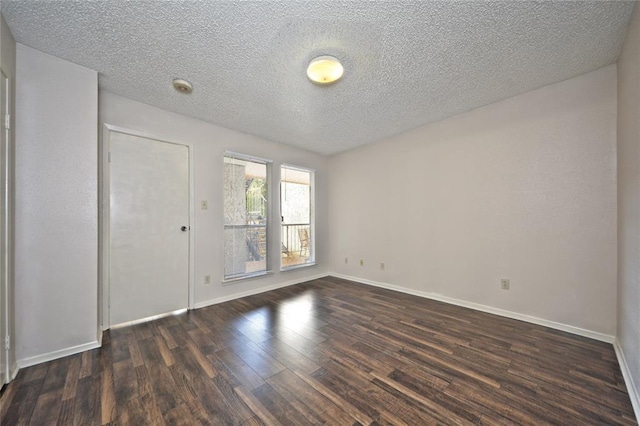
pixel 246 157
pixel 312 219
pixel 269 271
pixel 229 281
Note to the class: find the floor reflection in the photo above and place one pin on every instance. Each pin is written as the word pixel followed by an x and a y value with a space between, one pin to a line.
pixel 297 313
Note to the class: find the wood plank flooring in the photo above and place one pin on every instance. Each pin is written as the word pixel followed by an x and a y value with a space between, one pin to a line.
pixel 328 351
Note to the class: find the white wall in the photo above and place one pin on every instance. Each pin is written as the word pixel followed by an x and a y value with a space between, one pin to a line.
pixel 210 143
pixel 56 206
pixel 523 189
pixel 629 204
pixel 8 64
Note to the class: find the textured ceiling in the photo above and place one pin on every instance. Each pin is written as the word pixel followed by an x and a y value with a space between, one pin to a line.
pixel 407 63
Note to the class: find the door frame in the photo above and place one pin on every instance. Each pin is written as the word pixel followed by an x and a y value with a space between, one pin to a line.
pixel 6 251
pixel 104 234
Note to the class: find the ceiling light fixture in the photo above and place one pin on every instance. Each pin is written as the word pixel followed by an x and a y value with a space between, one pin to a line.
pixel 182 86
pixel 325 70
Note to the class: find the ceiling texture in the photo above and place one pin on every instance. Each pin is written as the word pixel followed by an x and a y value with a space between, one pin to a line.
pixel 407 63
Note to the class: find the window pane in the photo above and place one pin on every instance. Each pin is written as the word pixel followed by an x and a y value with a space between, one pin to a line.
pixel 296 208
pixel 245 217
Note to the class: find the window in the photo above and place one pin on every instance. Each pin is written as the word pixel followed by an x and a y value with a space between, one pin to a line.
pixel 246 207
pixel 296 209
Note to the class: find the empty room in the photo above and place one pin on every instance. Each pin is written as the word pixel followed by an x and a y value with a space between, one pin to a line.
pixel 319 212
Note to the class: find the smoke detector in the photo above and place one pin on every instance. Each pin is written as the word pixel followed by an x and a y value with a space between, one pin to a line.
pixel 182 86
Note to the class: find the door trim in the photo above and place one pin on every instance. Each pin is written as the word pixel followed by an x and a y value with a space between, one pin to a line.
pixel 6 250
pixel 104 234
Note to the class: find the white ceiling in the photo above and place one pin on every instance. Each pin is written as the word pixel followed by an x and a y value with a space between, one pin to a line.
pixel 407 63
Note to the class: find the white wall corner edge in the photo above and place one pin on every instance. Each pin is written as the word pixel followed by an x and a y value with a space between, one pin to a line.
pixel 484 308
pixel 253 292
pixel 50 356
pixel 632 389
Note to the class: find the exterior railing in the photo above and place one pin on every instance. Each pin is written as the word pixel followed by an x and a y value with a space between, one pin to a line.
pixel 256 239
pixel 255 236
pixel 291 242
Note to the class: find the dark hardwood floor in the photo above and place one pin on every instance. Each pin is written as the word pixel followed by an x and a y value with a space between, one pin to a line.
pixel 327 352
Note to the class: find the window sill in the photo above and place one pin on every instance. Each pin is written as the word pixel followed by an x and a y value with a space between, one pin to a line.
pixel 292 268
pixel 233 280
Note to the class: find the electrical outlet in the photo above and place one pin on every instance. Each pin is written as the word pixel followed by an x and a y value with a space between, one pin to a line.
pixel 346 260
pixel 361 262
pixel 382 266
pixel 504 284
pixel 204 205
pixel 207 279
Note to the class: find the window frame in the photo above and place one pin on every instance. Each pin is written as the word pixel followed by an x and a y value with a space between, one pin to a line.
pixel 312 215
pixel 232 278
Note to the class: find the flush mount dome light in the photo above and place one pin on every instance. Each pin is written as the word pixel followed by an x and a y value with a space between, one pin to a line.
pixel 182 86
pixel 324 70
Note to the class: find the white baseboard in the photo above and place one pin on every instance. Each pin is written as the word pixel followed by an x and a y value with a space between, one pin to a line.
pixel 632 389
pixel 50 356
pixel 13 371
pixel 484 308
pixel 252 292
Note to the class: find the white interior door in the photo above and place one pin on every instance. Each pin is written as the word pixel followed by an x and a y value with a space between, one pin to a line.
pixel 148 227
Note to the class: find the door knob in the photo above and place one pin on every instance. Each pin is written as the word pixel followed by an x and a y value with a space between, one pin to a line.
pixel 184 228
